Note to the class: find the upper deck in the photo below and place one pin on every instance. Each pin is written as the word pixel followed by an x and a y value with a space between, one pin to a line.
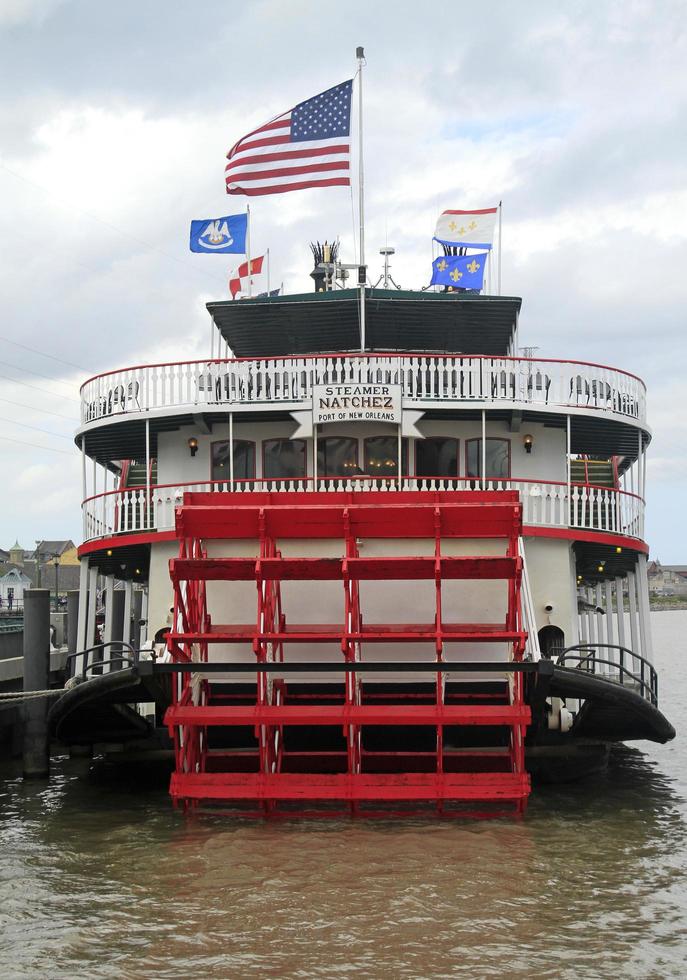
pixel 450 361
pixel 395 320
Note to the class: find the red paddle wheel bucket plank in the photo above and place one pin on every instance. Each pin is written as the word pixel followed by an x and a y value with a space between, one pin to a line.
pixel 348 518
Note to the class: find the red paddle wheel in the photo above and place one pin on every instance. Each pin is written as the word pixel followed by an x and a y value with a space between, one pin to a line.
pixel 292 730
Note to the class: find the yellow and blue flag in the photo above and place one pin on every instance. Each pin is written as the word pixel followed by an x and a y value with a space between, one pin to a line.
pixel 459 271
pixel 227 234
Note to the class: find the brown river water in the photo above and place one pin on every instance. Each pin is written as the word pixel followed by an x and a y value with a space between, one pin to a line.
pixel 100 877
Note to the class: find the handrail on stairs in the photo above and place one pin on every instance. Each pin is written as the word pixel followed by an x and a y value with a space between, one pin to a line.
pixel 130 660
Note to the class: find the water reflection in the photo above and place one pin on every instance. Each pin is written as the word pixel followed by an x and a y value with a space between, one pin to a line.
pixel 100 877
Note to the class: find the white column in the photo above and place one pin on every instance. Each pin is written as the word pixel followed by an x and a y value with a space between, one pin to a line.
pixel 634 624
pixel 314 458
pixel 83 609
pixel 399 451
pixel 92 599
pixel 609 617
pixel 644 609
pixel 109 618
pixel 620 611
pixel 144 616
pixel 128 599
pixel 149 522
pixel 599 617
pixel 84 493
pixel 567 454
pixel 231 450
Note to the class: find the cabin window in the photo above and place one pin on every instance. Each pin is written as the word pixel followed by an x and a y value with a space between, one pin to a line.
pixel 283 459
pixel 381 456
pixel 337 456
pixel 497 458
pixel 436 456
pixel 244 460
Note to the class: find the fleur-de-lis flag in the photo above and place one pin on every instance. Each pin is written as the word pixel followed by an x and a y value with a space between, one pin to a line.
pixel 459 271
pixel 475 229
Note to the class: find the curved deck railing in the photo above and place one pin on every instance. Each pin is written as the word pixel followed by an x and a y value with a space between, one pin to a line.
pixel 628 669
pixel 545 504
pixel 424 379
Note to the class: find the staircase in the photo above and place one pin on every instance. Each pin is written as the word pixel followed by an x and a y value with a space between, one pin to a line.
pixel 594 472
pixel 284 729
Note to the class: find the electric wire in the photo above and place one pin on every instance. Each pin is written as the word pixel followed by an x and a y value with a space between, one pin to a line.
pixel 36 427
pixel 46 377
pixel 34 445
pixel 52 394
pixel 45 411
pixel 42 353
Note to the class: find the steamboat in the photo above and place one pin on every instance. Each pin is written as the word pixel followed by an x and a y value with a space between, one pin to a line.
pixel 364 558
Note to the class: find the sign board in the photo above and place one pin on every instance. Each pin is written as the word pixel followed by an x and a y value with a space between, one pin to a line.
pixel 356 403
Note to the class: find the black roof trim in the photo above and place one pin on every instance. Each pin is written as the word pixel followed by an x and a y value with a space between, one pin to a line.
pixel 395 320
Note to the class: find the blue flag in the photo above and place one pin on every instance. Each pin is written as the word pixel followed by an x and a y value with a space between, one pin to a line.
pixel 226 234
pixel 459 271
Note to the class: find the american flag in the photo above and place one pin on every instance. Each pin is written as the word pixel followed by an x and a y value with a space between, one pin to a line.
pixel 309 146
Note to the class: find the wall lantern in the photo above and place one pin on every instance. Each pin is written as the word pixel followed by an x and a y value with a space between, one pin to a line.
pixel 193 445
pixel 527 442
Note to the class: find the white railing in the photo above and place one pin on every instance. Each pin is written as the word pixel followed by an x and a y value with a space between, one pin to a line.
pixel 544 504
pixel 424 379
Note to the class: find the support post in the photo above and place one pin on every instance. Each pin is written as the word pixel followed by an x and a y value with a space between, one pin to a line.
pixel 499 257
pixel 73 610
pixel 126 625
pixel 399 453
pixel 360 55
pixel 609 615
pixel 314 458
pixel 92 599
pixel 148 523
pixel 138 616
pixel 83 609
pixel 632 596
pixel 108 631
pixel 620 611
pixel 644 608
pixel 231 451
pixel 568 468
pixel 36 744
pixel 484 450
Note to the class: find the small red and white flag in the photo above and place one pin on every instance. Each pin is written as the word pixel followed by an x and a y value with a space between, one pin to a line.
pixel 474 229
pixel 237 279
pixel 308 146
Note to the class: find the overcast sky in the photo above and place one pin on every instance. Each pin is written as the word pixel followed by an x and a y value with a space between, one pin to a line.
pixel 116 118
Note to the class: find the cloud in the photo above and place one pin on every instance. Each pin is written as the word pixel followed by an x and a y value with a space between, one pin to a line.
pixel 33 12
pixel 119 118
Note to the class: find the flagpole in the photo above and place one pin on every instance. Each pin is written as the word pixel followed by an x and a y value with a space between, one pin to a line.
pixel 499 256
pixel 360 55
pixel 250 281
pixel 268 273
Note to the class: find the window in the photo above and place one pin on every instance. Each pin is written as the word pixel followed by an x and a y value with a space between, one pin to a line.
pixel 497 458
pixel 283 459
pixel 244 460
pixel 381 456
pixel 436 456
pixel 337 456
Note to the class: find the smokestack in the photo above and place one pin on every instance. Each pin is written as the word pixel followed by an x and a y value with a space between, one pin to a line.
pixel 323 252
